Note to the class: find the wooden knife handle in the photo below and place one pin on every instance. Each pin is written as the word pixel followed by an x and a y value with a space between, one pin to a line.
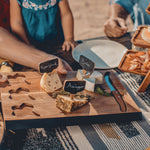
pixel 120 101
pixel 117 84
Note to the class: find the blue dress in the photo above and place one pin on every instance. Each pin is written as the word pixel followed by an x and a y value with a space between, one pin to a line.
pixel 42 20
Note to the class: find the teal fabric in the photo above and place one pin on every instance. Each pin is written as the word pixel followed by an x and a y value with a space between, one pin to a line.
pixel 136 8
pixel 42 20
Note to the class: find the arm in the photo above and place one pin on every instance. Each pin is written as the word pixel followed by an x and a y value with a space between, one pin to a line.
pixel 67 25
pixel 13 49
pixel 16 21
pixel 115 26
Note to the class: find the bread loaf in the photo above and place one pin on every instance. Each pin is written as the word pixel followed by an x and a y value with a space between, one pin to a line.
pixel 50 82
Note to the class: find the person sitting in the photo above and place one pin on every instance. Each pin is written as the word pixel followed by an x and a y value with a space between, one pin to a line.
pixel 31 54
pixel 43 23
pixel 116 26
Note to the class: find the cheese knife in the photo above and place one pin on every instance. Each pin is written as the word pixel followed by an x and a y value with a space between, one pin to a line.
pixel 116 83
pixel 115 93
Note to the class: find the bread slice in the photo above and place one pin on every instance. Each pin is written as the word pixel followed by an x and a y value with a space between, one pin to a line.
pixel 50 82
pixel 146 35
pixel 66 104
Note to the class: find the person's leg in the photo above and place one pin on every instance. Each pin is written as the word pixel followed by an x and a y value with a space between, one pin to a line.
pixel 67 56
pixel 56 49
pixel 13 49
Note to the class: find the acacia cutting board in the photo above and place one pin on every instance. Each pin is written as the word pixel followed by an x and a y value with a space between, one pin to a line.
pixel 26 105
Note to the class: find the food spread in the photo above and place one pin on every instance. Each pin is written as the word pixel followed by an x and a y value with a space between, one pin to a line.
pixel 68 101
pixel 139 61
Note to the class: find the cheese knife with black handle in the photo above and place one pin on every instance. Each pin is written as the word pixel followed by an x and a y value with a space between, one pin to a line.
pixel 115 93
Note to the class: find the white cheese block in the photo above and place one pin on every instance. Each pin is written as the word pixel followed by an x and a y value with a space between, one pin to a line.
pixel 148 28
pixel 81 76
pixel 90 84
pixel 50 82
pixel 98 76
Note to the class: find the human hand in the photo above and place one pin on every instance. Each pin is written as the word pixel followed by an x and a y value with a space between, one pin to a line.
pixel 115 27
pixel 69 45
pixel 63 67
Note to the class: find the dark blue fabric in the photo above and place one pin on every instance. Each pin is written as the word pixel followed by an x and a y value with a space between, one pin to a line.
pixel 42 19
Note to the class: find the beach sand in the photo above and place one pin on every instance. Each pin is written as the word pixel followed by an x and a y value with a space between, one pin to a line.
pixel 89 18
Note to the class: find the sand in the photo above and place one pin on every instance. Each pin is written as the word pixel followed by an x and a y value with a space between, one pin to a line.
pixel 89 18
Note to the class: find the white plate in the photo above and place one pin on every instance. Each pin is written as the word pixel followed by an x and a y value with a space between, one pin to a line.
pixel 104 53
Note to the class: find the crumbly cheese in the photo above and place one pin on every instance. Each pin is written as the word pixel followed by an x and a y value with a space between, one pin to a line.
pixel 81 76
pixel 66 104
pixel 90 84
pixel 50 82
pixel 98 76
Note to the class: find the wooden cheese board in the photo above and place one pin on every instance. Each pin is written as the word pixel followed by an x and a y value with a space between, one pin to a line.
pixel 26 105
pixel 137 39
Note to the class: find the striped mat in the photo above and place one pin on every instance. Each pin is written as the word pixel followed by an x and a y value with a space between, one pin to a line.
pixel 134 135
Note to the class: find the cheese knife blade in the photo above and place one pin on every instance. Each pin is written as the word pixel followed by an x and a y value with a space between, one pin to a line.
pixel 115 93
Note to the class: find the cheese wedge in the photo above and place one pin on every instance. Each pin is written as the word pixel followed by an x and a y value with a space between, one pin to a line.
pixel 81 76
pixel 50 82
pixel 66 104
pixel 98 76
pixel 90 84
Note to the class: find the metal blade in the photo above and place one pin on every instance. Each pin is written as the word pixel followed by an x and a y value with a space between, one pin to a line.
pixel 108 81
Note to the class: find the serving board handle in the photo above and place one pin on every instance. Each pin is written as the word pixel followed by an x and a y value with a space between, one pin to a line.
pixel 145 83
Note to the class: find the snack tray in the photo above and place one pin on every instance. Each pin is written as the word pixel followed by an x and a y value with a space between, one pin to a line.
pixel 125 63
pixel 137 39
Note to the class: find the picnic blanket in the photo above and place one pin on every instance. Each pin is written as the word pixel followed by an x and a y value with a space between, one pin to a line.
pixel 133 135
